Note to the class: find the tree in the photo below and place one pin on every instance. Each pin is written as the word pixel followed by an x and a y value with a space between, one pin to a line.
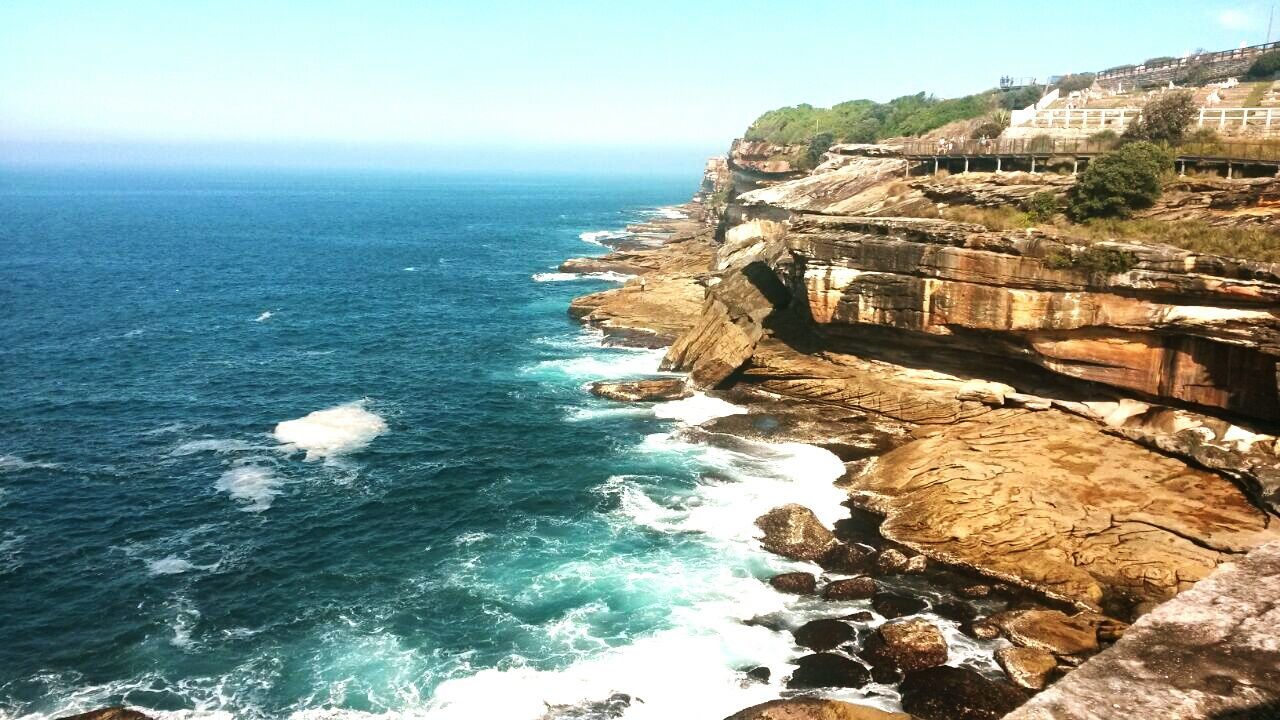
pixel 1165 119
pixel 1265 67
pixel 818 146
pixel 1119 182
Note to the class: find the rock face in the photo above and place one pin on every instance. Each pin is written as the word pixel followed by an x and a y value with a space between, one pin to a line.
pixel 907 645
pixel 814 709
pixel 793 531
pixel 951 693
pixel 642 390
pixel 1211 652
pixel 1043 500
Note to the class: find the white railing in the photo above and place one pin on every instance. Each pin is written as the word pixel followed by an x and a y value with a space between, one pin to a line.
pixel 1085 117
pixel 1223 118
pixel 1028 113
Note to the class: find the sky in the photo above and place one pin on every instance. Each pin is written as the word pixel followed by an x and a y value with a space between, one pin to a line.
pixel 605 84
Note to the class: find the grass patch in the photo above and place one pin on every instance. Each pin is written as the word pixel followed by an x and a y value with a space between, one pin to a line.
pixel 1256 93
pixel 1245 243
pixel 997 218
pixel 1093 259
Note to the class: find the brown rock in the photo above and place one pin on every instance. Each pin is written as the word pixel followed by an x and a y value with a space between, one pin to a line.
pixel 844 558
pixel 891 562
pixel 823 634
pixel 642 390
pixel 1027 667
pixel 951 693
pixel 916 565
pixel 797 583
pixel 793 531
pixel 908 645
pixel 814 709
pixel 977 590
pixel 1044 498
pixel 857 588
pixel 111 713
pixel 981 629
pixel 892 605
pixel 1050 630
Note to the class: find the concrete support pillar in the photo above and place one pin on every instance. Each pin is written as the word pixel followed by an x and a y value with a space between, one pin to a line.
pixel 997 164
pixel 1222 119
pixel 966 163
pixel 1182 168
pixel 1228 171
pixel 1033 163
pixel 1200 123
pixel 1075 166
pixel 1269 118
pixel 935 166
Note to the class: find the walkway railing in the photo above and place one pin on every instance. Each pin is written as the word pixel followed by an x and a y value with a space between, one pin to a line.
pixel 1244 152
pixel 1193 60
pixel 1085 117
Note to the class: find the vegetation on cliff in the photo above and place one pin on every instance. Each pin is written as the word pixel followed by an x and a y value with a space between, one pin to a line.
pixel 1119 182
pixel 869 121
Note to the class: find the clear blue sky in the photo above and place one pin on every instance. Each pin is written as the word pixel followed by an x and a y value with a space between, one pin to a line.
pixel 405 83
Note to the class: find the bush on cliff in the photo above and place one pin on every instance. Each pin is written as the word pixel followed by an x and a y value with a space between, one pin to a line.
pixel 865 120
pixel 1074 82
pixel 1108 261
pixel 1165 119
pixel 1119 182
pixel 1265 67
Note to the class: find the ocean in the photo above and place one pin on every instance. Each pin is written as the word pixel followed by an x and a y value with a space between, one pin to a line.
pixel 318 445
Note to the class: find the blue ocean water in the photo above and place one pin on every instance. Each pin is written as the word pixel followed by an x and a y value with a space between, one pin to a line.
pixel 450 526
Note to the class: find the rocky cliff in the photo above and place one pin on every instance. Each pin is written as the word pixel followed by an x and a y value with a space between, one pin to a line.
pixel 1094 422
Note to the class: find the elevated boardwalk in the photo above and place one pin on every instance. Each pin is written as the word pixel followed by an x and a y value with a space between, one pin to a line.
pixel 1040 153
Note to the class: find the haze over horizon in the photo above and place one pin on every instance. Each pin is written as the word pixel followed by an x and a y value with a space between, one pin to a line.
pixel 498 85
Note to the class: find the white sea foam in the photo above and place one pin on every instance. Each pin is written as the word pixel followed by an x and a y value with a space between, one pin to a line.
pixel 171 565
pixel 221 446
pixel 696 409
pixel 335 431
pixel 411 269
pixel 604 365
pixel 596 237
pixel 265 316
pixel 255 486
pixel 670 213
pixel 13 463
pixel 567 276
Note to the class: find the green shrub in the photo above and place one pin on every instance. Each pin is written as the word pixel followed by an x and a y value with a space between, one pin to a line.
pixel 818 146
pixel 1119 182
pixel 1159 60
pixel 868 121
pixel 1165 118
pixel 1202 135
pixel 1093 259
pixel 1265 67
pixel 988 129
pixel 1042 206
pixel 1104 136
pixel 1074 82
pixel 1021 97
pixel 1256 94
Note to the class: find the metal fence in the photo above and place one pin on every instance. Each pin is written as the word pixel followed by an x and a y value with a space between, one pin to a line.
pixel 1262 151
pixel 1212 57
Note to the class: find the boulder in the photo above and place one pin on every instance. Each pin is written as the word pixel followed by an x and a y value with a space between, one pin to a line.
pixel 891 562
pixel 952 693
pixel 976 590
pixel 856 588
pixel 843 558
pixel 908 645
pixel 892 605
pixel 814 709
pixel 642 390
pixel 1050 630
pixel 823 634
pixel 828 670
pixel 1027 667
pixel 955 610
pixel 111 713
pixel 916 565
pixel 982 629
pixel 796 583
pixel 793 531
pixel 759 674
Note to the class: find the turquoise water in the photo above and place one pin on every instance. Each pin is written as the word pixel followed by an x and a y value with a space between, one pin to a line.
pixel 445 525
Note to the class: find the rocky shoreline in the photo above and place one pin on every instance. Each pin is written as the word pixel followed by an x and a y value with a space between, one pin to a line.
pixel 1037 506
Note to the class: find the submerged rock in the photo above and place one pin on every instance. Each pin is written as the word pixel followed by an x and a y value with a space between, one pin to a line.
pixel 796 583
pixel 759 674
pixel 642 390
pixel 823 634
pixel 952 693
pixel 1027 667
pixel 828 670
pixel 614 706
pixel 793 531
pixel 111 713
pixel 814 709
pixel 907 645
pixel 892 605
pixel 856 588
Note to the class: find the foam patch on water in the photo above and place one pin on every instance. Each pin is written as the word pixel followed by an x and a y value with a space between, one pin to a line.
pixel 265 316
pixel 598 236
pixel 254 486
pixel 670 213
pixel 696 409
pixel 567 276
pixel 335 431
pixel 604 365
pixel 13 463
pixel 171 565
pixel 221 446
